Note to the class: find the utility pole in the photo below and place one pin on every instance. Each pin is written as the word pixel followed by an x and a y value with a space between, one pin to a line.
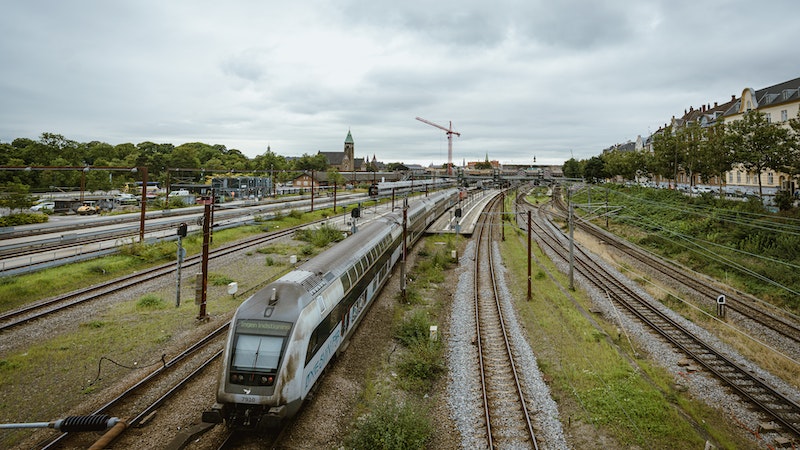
pixel 529 256
pixel 571 244
pixel 182 231
pixel 403 265
pixel 144 203
pixel 203 282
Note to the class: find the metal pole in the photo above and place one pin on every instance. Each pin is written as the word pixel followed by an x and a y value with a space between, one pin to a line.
pixel 571 245
pixel 334 197
pixel 403 265
pixel 529 296
pixel 144 203
pixel 204 265
pixel 502 214
pixel 312 191
pixel 178 274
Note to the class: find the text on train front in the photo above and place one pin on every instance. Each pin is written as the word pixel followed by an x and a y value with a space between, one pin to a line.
pixel 257 351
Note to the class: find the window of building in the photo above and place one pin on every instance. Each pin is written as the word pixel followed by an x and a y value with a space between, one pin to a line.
pixel 769 117
pixel 730 177
pixel 784 115
pixel 770 178
pixel 738 177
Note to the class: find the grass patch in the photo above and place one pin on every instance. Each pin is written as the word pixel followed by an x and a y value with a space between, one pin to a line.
pixel 414 329
pixel 218 279
pixel 420 367
pixel 150 302
pixel 321 236
pixel 590 372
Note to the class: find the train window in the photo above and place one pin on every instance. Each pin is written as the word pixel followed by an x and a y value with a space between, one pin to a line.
pixel 353 275
pixel 253 352
pixel 345 282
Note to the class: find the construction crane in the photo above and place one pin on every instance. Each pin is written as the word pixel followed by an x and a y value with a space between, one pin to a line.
pixel 450 134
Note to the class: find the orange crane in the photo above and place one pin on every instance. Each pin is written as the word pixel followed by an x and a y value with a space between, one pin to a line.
pixel 450 134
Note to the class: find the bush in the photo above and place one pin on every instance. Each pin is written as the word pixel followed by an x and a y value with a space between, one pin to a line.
pixel 319 237
pixel 420 366
pixel 413 329
pixel 163 251
pixel 15 220
pixel 391 425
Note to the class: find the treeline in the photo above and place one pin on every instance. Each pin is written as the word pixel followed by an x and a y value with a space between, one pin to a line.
pixel 55 150
pixel 753 144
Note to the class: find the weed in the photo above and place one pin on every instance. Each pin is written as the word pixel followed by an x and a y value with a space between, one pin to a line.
pixel 319 237
pixel 413 329
pixel 391 424
pixel 217 279
pixel 151 301
pixel 420 366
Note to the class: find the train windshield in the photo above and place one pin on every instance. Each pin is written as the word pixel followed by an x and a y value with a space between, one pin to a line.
pixel 259 344
pixel 257 352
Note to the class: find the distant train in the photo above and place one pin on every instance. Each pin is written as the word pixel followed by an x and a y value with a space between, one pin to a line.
pixel 282 338
pixel 388 188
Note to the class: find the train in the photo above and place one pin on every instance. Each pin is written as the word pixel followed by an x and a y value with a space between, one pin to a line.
pixel 283 337
pixel 405 187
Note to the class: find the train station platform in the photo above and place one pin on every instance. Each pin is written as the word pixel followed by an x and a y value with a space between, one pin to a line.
pixel 471 209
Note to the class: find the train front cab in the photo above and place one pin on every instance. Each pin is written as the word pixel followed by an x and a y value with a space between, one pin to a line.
pixel 256 353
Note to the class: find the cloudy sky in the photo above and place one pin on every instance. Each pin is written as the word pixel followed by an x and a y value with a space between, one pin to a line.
pixel 518 79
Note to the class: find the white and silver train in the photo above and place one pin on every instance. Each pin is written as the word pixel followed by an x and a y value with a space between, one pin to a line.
pixel 282 338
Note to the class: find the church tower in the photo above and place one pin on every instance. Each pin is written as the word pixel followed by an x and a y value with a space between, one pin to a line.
pixel 349 153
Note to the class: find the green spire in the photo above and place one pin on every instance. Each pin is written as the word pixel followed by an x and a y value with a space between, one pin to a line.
pixel 349 138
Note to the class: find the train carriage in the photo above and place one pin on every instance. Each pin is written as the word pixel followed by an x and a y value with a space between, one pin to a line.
pixel 283 337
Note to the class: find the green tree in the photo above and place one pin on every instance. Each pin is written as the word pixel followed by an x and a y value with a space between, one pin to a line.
pixel 15 196
pixel 666 154
pixel 308 162
pixel 270 161
pixel 792 163
pixel 334 177
pixel 626 164
pixel 689 139
pixel 714 155
pixel 595 171
pixel 572 168
pixel 758 144
pixel 395 166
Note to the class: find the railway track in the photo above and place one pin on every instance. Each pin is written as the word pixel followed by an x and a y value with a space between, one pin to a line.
pixel 39 310
pixel 139 402
pixel 781 409
pixel 508 422
pixel 57 248
pixel 782 322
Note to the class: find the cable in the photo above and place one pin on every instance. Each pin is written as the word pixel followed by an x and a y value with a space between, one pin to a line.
pixel 135 366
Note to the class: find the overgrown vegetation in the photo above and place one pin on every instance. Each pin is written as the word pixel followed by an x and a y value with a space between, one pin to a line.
pixel 596 374
pixel 401 421
pixel 319 237
pixel 733 240
pixel 391 424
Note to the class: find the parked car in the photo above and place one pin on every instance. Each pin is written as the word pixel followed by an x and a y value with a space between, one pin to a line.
pixel 41 206
pixel 126 199
pixel 88 208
